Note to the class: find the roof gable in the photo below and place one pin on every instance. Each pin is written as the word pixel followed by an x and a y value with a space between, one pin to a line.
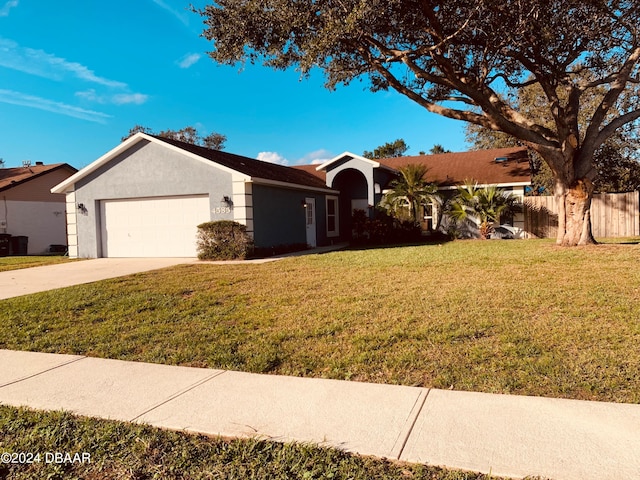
pixel 12 177
pixel 256 169
pixel 248 168
pixel 346 156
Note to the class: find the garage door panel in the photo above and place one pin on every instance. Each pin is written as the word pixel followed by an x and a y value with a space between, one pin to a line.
pixel 152 227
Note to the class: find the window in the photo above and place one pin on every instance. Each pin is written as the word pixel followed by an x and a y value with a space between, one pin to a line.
pixel 310 213
pixel 333 229
pixel 429 216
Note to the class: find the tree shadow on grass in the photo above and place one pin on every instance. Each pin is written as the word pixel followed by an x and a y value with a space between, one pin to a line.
pixel 437 239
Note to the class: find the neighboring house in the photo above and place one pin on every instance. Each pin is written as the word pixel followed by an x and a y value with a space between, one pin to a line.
pixel 362 182
pixel 147 196
pixel 29 209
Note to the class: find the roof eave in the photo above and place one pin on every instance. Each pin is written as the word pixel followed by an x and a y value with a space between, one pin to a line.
pixel 483 185
pixel 36 175
pixel 337 158
pixel 297 186
pixel 64 187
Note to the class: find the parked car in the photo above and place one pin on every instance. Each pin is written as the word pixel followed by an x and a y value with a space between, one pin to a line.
pixel 504 232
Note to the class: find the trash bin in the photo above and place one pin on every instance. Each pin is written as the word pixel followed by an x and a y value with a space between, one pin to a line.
pixel 5 244
pixel 19 245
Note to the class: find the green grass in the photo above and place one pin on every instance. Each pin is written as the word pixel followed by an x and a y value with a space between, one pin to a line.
pixel 15 263
pixel 136 452
pixel 519 317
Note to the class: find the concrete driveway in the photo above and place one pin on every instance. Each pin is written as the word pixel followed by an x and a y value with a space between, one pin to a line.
pixel 14 283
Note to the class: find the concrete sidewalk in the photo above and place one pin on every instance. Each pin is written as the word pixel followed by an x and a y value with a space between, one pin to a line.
pixel 499 434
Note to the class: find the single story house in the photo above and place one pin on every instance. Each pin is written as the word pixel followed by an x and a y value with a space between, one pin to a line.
pixel 362 182
pixel 29 212
pixel 146 196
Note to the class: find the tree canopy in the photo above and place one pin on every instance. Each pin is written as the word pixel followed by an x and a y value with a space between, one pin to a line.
pixel 437 148
pixel 214 141
pixel 465 60
pixel 616 161
pixel 393 149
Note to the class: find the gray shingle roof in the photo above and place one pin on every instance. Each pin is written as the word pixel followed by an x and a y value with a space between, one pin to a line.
pixel 251 166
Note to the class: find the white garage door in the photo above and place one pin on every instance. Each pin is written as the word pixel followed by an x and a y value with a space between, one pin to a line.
pixel 152 227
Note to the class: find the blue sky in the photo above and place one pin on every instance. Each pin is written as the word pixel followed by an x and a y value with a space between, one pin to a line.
pixel 76 76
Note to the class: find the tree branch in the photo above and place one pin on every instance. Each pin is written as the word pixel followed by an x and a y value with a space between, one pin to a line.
pixel 613 125
pixel 593 133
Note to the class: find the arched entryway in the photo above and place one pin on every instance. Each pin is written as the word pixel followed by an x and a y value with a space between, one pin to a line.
pixel 354 195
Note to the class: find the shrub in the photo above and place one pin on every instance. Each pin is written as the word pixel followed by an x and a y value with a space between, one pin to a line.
pixel 223 240
pixel 382 230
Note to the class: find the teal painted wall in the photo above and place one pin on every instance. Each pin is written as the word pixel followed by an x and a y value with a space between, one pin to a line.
pixel 279 216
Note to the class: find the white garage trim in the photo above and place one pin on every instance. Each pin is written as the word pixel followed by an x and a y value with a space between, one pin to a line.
pixel 72 225
pixel 243 204
pixel 67 185
pixel 152 226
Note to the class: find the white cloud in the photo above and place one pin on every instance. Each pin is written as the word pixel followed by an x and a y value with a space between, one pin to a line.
pixel 180 16
pixel 91 96
pixel 315 158
pixel 47 65
pixel 118 99
pixel 25 100
pixel 272 157
pixel 43 64
pixel 127 98
pixel 4 11
pixel 312 158
pixel 189 60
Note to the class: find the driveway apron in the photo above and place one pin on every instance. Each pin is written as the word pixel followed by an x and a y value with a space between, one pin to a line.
pixel 14 283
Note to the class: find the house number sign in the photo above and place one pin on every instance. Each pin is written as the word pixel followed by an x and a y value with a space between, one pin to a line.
pixel 221 210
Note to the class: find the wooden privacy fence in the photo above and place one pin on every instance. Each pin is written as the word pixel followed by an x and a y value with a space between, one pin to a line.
pixel 612 215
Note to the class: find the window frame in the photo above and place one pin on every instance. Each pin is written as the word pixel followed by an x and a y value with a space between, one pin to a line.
pixel 336 232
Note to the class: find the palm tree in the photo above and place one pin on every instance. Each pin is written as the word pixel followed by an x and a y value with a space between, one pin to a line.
pixel 483 206
pixel 410 188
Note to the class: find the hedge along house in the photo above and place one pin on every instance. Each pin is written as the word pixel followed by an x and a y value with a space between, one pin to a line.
pixel 146 197
pixel 362 182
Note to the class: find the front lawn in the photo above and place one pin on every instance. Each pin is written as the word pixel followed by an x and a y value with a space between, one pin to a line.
pixel 520 317
pixel 15 263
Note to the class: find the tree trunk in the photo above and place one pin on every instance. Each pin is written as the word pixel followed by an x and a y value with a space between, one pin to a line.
pixel 574 214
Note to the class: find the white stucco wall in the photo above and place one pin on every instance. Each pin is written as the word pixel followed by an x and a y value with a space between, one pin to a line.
pixel 42 222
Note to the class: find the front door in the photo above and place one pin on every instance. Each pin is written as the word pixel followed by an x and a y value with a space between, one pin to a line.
pixel 311 221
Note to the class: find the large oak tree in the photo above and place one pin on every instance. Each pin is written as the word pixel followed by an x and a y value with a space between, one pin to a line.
pixel 616 161
pixel 464 59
